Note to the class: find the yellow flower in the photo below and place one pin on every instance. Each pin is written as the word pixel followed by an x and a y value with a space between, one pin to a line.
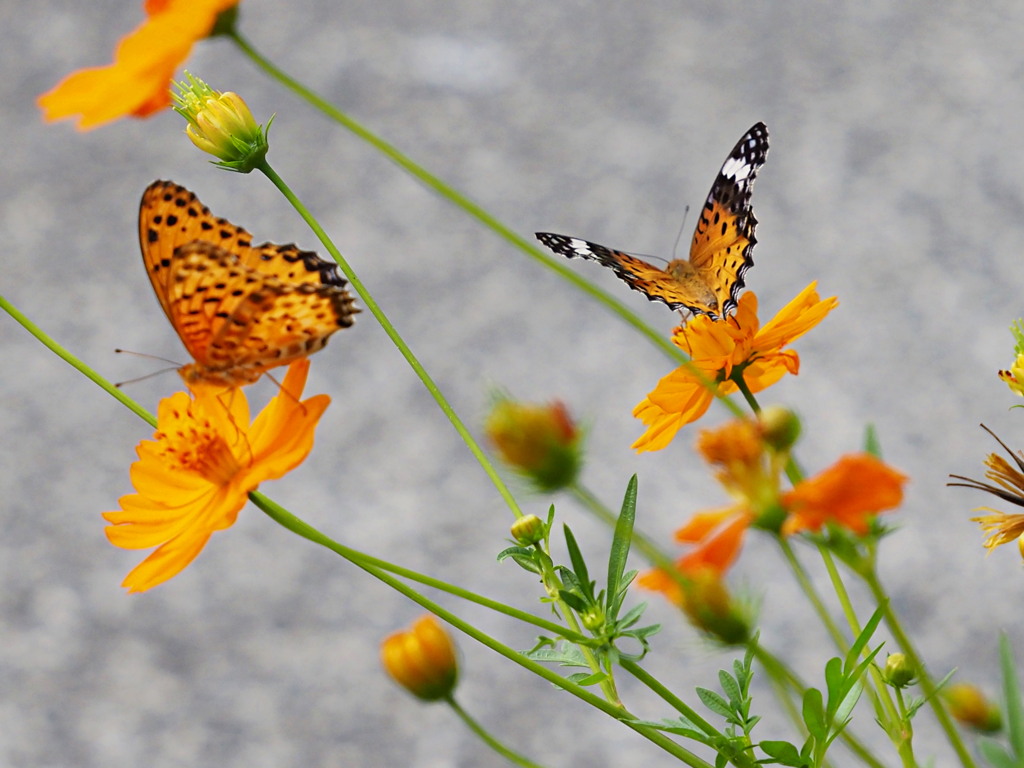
pixel 723 350
pixel 539 441
pixel 138 81
pixel 221 125
pixel 422 659
pixel 195 475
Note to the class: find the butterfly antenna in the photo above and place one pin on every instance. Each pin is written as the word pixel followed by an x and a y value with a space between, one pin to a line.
pixel 284 391
pixel 679 236
pixel 175 363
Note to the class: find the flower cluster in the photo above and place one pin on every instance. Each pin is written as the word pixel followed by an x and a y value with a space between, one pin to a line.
pixel 749 465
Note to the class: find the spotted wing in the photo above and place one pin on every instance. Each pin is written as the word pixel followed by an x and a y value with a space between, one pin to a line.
pixel 655 283
pixel 723 242
pixel 171 216
pixel 238 322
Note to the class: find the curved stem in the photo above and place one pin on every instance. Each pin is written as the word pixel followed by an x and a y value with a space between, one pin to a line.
pixel 396 339
pixel 285 518
pixel 76 363
pixel 493 743
pixel 461 201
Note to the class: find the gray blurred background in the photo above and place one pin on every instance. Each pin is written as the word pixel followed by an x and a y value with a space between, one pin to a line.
pixel 894 179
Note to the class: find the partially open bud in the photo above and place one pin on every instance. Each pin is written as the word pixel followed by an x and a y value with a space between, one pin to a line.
pixel 539 441
pixel 970 706
pixel 899 672
pixel 528 530
pixel 422 659
pixel 709 606
pixel 221 124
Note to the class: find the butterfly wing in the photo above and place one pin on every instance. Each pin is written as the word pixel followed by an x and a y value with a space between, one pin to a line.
pixel 237 322
pixel 723 241
pixel 238 308
pixel 655 283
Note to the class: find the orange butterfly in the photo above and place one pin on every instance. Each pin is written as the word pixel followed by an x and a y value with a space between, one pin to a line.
pixel 710 281
pixel 240 309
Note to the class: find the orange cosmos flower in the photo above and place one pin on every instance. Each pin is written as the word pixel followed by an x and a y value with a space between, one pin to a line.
pixel 139 79
pixel 722 350
pixel 195 475
pixel 849 493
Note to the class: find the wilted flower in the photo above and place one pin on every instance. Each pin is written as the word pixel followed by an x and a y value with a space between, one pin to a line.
pixel 541 442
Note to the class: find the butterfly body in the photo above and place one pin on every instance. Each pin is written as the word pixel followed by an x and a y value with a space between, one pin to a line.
pixel 710 280
pixel 239 309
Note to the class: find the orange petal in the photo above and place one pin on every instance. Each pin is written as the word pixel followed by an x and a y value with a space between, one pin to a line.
pixel 795 319
pixel 166 562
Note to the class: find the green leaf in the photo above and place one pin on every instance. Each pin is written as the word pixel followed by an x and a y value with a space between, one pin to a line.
pixel 783 753
pixel 861 642
pixel 620 550
pixel 714 702
pixel 730 687
pixel 582 678
pixel 573 600
pixel 562 652
pixel 996 755
pixel 1011 690
pixel 872 444
pixel 814 714
pixel 632 616
pixel 524 557
pixel 846 705
pixel 579 565
pixel 834 679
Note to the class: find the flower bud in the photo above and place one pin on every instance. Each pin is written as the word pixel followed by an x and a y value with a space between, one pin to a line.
pixel 221 125
pixel 422 659
pixel 709 606
pixel 780 427
pixel 528 530
pixel 970 706
pixel 539 441
pixel 899 672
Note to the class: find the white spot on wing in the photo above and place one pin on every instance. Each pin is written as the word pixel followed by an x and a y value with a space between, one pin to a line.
pixel 737 168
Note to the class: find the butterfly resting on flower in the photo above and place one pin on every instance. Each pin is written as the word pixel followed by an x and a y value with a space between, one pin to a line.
pixel 710 280
pixel 240 309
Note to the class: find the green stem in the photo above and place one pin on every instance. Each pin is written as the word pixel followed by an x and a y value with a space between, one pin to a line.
pixel 927 683
pixel 396 339
pixel 812 595
pixel 493 743
pixel 76 363
pixel 670 698
pixel 881 700
pixel 461 201
pixel 285 518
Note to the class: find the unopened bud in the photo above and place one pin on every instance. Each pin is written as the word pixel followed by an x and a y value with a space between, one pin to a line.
pixel 899 671
pixel 422 659
pixel 528 530
pixel 971 707
pixel 539 441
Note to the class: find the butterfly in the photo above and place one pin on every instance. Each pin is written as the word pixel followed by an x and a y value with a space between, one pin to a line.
pixel 240 309
pixel 710 280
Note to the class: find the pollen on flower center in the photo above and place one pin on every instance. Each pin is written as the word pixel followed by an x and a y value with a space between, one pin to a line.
pixel 200 449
